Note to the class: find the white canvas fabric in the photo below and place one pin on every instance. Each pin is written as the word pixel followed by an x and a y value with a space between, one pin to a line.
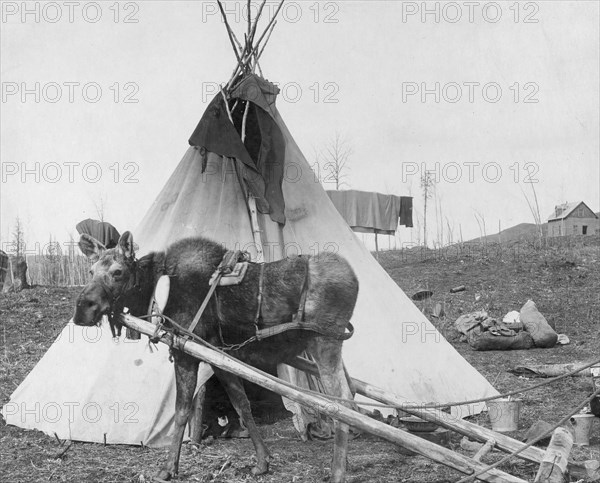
pixel 394 347
pixel 88 387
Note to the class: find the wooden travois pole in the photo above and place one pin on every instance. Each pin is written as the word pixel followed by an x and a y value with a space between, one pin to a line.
pixel 421 446
pixel 454 423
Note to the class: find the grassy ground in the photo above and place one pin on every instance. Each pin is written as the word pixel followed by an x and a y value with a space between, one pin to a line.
pixel 563 281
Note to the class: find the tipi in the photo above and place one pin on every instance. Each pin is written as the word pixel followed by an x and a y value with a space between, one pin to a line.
pixel 245 183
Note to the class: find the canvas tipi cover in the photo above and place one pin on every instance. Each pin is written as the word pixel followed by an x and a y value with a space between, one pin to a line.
pixel 89 388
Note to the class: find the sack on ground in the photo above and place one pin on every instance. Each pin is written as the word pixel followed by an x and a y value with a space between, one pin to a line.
pixel 536 324
pixel 486 341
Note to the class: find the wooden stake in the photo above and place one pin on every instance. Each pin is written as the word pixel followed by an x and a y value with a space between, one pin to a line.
pixel 61 453
pixel 554 464
pixel 414 443
pixel 485 449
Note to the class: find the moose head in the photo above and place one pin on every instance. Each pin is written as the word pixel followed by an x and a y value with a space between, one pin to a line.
pixel 114 280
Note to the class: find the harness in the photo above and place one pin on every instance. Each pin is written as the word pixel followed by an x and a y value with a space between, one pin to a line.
pixel 233 266
pixel 231 260
pixel 115 326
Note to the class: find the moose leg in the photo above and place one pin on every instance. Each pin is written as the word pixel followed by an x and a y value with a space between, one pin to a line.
pixel 186 373
pixel 328 356
pixel 237 395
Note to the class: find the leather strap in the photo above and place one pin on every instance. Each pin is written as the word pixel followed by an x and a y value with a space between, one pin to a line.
pixel 279 329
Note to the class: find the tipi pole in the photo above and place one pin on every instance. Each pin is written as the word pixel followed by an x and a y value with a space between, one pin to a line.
pixel 266 42
pixel 414 443
pixel 269 24
pixel 229 31
pixel 262 5
pixel 256 234
pixel 255 228
pixel 249 19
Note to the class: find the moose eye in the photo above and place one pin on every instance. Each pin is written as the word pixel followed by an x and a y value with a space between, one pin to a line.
pixel 117 273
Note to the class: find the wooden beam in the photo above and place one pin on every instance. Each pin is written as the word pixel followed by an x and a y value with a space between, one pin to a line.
pixel 472 431
pixel 454 423
pixel 421 446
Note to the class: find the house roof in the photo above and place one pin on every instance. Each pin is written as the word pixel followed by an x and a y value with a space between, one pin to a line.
pixel 566 210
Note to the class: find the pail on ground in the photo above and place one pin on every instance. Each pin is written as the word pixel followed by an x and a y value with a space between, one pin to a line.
pixel 504 414
pixel 582 427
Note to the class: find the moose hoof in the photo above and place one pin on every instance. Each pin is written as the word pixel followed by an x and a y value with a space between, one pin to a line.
pixel 260 468
pixel 164 475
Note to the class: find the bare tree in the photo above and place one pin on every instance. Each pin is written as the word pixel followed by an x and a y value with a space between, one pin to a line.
pixel 100 205
pixel 481 222
pixel 427 184
pixel 534 207
pixel 335 158
pixel 18 239
pixel 450 232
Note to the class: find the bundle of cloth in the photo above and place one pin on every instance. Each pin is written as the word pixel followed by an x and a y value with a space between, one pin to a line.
pixel 529 329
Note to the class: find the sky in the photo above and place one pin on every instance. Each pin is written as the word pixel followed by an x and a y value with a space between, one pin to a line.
pixel 100 98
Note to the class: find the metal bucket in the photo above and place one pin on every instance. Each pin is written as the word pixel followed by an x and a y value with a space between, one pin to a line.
pixel 504 414
pixel 582 427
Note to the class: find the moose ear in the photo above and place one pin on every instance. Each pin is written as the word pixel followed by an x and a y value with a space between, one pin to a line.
pixel 126 245
pixel 91 247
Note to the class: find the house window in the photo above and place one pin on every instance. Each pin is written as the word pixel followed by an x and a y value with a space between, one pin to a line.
pixel 574 229
pixel 584 229
pixel 559 230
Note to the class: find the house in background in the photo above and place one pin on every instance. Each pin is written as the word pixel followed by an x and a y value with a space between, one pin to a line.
pixel 573 219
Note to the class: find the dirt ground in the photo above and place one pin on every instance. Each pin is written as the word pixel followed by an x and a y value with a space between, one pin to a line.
pixel 563 281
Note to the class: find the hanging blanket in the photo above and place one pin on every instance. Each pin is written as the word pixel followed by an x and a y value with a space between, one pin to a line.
pixel 369 212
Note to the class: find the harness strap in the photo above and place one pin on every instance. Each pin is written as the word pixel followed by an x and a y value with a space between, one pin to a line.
pixel 298 322
pixel 202 308
pixel 261 279
pixel 279 329
pixel 229 260
pixel 299 315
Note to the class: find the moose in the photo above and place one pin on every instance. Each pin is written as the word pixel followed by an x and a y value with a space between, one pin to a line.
pixel 321 288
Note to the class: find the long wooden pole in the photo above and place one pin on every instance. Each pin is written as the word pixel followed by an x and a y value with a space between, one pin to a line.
pixel 414 443
pixel 445 420
pixel 454 423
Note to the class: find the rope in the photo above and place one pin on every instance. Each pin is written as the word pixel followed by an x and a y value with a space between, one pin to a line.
pixel 387 406
pixel 463 480
pixel 473 401
pixel 536 440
